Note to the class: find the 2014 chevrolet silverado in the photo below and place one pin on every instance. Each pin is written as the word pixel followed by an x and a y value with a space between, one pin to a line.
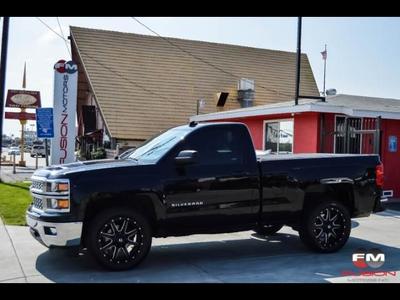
pixel 200 178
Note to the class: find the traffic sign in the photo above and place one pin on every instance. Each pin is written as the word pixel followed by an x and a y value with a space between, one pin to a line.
pixel 392 143
pixel 44 122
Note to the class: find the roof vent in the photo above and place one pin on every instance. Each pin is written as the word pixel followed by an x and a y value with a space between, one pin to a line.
pixel 246 92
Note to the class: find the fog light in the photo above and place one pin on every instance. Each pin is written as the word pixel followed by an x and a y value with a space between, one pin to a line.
pixel 50 230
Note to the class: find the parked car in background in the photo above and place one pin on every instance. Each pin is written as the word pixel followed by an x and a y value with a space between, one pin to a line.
pixel 38 150
pixel 14 150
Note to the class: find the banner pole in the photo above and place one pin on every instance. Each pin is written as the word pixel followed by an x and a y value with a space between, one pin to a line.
pixel 3 64
pixel 47 156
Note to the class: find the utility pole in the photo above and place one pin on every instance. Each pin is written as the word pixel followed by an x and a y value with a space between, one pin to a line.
pixel 23 123
pixel 298 61
pixel 297 95
pixel 324 57
pixel 3 62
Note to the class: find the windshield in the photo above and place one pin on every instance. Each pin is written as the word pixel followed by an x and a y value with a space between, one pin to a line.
pixel 155 148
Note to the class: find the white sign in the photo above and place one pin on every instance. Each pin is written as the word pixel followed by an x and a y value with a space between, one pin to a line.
pixel 64 111
pixel 23 99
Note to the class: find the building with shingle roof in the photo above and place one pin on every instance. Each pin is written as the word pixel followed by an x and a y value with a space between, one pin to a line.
pixel 132 86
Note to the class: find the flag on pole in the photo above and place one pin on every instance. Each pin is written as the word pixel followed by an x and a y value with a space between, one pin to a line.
pixel 324 54
pixel 24 78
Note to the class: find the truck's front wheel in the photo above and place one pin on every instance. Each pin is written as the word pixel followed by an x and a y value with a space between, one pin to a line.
pixel 119 238
pixel 326 227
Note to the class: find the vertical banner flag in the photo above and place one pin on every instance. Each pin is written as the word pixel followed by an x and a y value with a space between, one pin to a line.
pixel 64 112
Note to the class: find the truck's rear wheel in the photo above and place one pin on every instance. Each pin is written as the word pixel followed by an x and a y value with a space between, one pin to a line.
pixel 268 229
pixel 326 227
pixel 119 238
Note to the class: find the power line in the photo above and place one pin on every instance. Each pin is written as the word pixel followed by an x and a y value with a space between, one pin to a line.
pixel 55 32
pixel 205 61
pixel 115 72
pixel 51 29
pixel 62 33
pixel 138 85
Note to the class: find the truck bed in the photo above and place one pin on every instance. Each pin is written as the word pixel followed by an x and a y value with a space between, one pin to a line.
pixel 269 157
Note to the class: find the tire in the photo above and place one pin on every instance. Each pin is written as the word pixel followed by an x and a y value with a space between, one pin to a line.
pixel 119 238
pixel 326 227
pixel 268 229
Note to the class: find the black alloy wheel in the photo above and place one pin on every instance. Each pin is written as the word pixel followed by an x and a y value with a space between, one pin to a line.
pixel 119 239
pixel 326 228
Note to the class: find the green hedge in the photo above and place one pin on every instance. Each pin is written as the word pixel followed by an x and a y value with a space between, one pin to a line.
pixel 100 153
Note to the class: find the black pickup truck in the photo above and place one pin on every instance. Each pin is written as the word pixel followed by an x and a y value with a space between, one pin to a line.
pixel 200 178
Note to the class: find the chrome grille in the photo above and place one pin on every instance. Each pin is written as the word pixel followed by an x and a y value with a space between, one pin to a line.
pixel 38 185
pixel 37 203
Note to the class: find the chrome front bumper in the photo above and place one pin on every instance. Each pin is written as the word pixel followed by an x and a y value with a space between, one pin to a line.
pixel 55 234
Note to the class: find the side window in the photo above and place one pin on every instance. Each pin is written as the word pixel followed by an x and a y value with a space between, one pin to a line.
pixel 218 146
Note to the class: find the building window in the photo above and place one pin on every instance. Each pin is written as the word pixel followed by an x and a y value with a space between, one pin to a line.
pixel 278 136
pixel 347 126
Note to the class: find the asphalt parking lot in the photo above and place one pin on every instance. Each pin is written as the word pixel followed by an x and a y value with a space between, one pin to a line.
pixel 231 258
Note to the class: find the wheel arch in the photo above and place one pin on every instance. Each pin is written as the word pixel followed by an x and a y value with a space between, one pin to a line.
pixel 148 204
pixel 341 192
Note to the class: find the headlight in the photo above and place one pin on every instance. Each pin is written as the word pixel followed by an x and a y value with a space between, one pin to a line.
pixel 59 186
pixel 51 195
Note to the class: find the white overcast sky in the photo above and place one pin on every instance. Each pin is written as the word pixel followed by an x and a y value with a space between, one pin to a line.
pixel 362 52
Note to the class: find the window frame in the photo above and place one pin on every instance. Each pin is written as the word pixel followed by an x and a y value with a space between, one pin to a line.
pixel 334 129
pixel 183 145
pixel 265 133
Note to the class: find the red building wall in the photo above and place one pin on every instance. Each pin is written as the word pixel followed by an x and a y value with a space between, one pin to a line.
pixel 255 126
pixel 329 128
pixel 391 160
pixel 306 130
pixel 306 133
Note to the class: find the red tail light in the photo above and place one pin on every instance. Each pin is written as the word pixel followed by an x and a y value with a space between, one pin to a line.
pixel 379 175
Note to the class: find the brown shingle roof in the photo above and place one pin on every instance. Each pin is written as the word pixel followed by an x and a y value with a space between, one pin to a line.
pixel 157 85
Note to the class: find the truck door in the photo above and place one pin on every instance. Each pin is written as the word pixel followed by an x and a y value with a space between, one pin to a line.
pixel 221 188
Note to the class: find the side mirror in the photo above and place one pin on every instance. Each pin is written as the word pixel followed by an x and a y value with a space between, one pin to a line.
pixel 186 157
